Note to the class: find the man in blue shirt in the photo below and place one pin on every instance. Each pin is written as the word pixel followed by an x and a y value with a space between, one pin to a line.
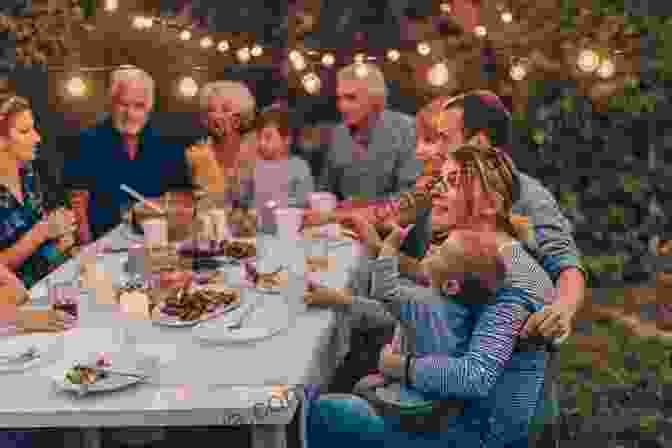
pixel 124 149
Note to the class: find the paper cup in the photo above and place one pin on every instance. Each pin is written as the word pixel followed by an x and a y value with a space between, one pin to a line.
pixel 288 221
pixel 156 232
pixel 322 201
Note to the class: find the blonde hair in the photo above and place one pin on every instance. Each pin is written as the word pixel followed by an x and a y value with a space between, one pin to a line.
pixel 496 173
pixel 11 105
pixel 238 93
pixel 125 76
pixel 370 73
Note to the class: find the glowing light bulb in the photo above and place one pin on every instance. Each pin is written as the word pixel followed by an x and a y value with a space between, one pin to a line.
pixel 257 51
pixel 76 87
pixel 207 42
pixel 294 55
pixel 312 83
pixel 299 64
pixel 360 58
pixel 243 54
pixel 188 87
pixel 507 17
pixel 328 60
pixel 393 55
pixel 223 46
pixel 606 69
pixel 185 35
pixel 148 22
pixel 445 8
pixel 481 31
pixel 424 49
pixel 139 22
pixel 588 61
pixel 438 75
pixel 518 72
pixel 111 5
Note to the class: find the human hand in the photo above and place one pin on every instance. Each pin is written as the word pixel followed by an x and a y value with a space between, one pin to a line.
pixel 553 321
pixel 365 231
pixel 317 295
pixel 58 223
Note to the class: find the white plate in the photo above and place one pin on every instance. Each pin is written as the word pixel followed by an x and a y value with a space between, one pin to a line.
pixel 224 335
pixel 111 383
pixel 169 321
pixel 19 344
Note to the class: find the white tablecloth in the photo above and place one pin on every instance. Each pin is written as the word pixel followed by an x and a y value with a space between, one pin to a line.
pixel 193 386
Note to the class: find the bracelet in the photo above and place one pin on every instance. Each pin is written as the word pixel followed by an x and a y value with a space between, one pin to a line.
pixel 409 360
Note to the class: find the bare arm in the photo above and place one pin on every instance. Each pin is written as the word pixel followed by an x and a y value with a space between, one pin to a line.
pixel 13 257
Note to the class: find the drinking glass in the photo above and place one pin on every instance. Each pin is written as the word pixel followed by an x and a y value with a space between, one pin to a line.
pixel 64 296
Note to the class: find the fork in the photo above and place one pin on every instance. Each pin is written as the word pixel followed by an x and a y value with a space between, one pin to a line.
pixel 30 353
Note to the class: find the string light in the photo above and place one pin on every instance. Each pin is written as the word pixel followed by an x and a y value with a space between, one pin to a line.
pixel 111 5
pixel 243 55
pixel 360 58
pixel 299 62
pixel 424 49
pixel 518 72
pixel 438 75
pixel 76 87
pixel 223 46
pixel 328 60
pixel 312 83
pixel 507 17
pixel 393 55
pixel 606 69
pixel 139 22
pixel 445 8
pixel 207 42
pixel 295 55
pixel 185 35
pixel 188 87
pixel 148 22
pixel 588 61
pixel 481 31
pixel 257 51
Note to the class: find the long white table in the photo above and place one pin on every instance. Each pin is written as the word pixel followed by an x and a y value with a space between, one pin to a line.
pixel 195 385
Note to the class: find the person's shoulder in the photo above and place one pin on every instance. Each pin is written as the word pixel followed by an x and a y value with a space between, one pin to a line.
pixel 400 119
pixel 525 274
pixel 531 188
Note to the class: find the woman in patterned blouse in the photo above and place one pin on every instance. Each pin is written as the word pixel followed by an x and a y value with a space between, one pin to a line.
pixel 452 345
pixel 31 244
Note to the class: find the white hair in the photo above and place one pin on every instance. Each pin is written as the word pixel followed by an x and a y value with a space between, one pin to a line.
pixel 125 76
pixel 370 73
pixel 237 92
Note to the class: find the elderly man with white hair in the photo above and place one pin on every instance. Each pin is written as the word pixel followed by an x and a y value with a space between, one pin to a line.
pixel 372 154
pixel 224 162
pixel 123 149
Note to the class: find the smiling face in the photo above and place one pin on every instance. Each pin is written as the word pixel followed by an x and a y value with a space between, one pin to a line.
pixel 21 136
pixel 272 144
pixel 222 117
pixel 130 108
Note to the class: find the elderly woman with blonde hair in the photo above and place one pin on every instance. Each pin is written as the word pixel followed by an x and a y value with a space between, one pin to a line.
pixel 223 163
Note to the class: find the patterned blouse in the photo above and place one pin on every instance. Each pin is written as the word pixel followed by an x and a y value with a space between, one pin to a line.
pixel 16 219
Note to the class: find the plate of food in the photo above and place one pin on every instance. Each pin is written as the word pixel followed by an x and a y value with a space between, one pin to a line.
pixel 189 307
pixel 83 379
pixel 239 252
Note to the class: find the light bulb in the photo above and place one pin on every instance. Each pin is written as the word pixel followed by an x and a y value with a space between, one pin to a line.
pixel 445 8
pixel 139 22
pixel 424 49
pixel 257 51
pixel 223 46
pixel 588 61
pixel 312 83
pixel 76 87
pixel 299 64
pixel 294 55
pixel 328 60
pixel 148 22
pixel 518 72
pixel 438 75
pixel 207 42
pixel 393 55
pixel 111 5
pixel 185 35
pixel 188 87
pixel 507 17
pixel 243 54
pixel 606 69
pixel 481 31
pixel 360 58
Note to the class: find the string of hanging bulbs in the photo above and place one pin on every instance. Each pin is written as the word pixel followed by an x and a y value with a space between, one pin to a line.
pixel 597 61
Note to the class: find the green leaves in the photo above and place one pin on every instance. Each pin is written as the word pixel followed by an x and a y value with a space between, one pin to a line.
pixel 569 200
pixel 631 184
pixel 538 136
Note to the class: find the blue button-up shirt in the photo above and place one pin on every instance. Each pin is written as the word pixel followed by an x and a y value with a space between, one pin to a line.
pixel 103 164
